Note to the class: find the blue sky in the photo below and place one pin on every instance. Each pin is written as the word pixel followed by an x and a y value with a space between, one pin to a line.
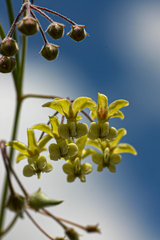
pixel 120 59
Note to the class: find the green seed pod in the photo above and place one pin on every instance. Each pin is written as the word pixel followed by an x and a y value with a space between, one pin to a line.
pixel 28 26
pixel 63 131
pixel 112 133
pixel 115 159
pixel 55 30
pixel 82 129
pixel 94 131
pixel 72 234
pixel 49 51
pixel 54 151
pixel 8 47
pixel 7 64
pixel 77 33
pixel 39 200
pixel 72 149
pixel 16 203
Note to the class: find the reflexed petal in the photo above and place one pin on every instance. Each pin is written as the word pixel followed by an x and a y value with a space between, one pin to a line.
pixel 94 143
pixel 120 134
pixel 68 168
pixel 97 158
pixel 125 148
pixel 115 106
pixel 93 112
pixel 87 152
pixel 43 142
pixel 72 149
pixel 65 105
pixel 63 131
pixel 27 172
pixel 79 104
pixel 54 123
pixel 102 106
pixel 20 156
pixel 117 114
pixel 86 168
pixel 32 142
pixel 54 105
pixel 22 148
pixel 41 162
pixel 80 142
pixel 44 128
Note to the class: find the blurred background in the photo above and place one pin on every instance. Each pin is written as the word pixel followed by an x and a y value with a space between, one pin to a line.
pixel 120 59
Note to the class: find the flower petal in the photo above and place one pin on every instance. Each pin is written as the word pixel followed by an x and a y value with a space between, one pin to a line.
pixel 65 105
pixel 68 168
pixel 32 142
pixel 79 104
pixel 20 156
pixel 120 133
pixel 44 128
pixel 54 105
pixel 115 106
pixel 22 148
pixel 86 168
pixel 125 148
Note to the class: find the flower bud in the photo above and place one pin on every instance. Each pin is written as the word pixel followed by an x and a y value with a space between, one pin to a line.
pixel 7 64
pixel 16 203
pixel 8 47
pixel 55 30
pixel 72 234
pixel 28 26
pixel 39 200
pixel 77 33
pixel 49 51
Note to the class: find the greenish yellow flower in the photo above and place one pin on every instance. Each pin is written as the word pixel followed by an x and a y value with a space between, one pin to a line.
pixel 74 168
pixel 110 151
pixel 103 112
pixel 70 111
pixel 61 149
pixel 36 163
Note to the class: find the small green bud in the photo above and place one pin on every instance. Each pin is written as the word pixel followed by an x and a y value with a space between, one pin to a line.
pixel 16 203
pixel 49 51
pixel 78 33
pixel 28 26
pixel 72 234
pixel 8 47
pixel 54 151
pixel 93 228
pixel 39 200
pixel 55 30
pixel 7 64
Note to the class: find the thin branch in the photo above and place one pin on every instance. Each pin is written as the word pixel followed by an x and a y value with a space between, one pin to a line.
pixel 2 146
pixel 55 13
pixel 41 30
pixel 90 119
pixel 37 225
pixel 39 96
pixel 10 225
pixel 42 13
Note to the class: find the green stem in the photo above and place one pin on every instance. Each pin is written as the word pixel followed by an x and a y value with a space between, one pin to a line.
pixel 10 225
pixel 5 188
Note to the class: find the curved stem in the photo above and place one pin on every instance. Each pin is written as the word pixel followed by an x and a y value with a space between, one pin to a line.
pixel 39 96
pixel 10 225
